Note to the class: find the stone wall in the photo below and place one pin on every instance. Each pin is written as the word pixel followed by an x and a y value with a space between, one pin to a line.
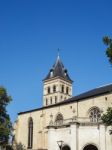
pixel 79 110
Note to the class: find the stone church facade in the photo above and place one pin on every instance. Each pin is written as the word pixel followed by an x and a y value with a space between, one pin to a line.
pixel 65 122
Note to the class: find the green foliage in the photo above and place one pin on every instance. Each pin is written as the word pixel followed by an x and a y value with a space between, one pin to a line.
pixel 5 123
pixel 9 147
pixel 107 117
pixel 20 147
pixel 108 41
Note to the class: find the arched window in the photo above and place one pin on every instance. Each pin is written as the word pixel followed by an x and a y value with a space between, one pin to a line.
pixel 62 89
pixel 49 90
pixel 59 119
pixel 94 114
pixel 65 72
pixel 51 73
pixel 66 147
pixel 67 90
pixel 54 88
pixel 30 132
pixel 91 147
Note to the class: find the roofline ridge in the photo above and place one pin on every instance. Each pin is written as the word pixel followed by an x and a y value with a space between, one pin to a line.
pixel 104 85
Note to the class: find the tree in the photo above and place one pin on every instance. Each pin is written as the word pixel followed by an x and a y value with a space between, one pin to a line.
pixel 9 147
pixel 5 123
pixel 107 117
pixel 20 147
pixel 108 41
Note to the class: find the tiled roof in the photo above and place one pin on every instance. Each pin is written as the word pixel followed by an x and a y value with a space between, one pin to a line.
pixel 92 93
pixel 58 70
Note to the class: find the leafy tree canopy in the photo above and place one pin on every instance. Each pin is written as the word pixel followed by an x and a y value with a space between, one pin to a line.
pixel 108 41
pixel 5 123
pixel 107 117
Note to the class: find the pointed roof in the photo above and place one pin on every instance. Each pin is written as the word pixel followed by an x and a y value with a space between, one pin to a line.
pixel 58 70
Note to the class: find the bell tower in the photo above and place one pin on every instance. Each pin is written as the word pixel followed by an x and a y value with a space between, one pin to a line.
pixel 57 84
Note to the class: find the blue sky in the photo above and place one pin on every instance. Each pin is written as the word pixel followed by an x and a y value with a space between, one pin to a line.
pixel 31 31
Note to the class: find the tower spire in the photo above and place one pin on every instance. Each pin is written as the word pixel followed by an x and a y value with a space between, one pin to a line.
pixel 58 52
pixel 57 84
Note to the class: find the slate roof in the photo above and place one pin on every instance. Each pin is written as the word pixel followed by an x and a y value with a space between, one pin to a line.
pixel 92 93
pixel 58 70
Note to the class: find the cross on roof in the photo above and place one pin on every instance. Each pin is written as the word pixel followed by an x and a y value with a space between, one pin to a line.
pixel 59 52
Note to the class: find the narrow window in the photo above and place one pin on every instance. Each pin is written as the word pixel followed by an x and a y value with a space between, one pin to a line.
pixel 30 133
pixel 67 90
pixel 55 99
pixel 54 88
pixel 46 101
pixel 62 89
pixel 49 90
pixel 51 100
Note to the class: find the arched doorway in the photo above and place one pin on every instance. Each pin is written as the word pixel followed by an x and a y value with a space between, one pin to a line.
pixel 90 147
pixel 65 147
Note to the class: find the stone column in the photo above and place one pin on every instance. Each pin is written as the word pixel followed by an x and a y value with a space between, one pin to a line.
pixel 102 137
pixel 51 136
pixel 74 136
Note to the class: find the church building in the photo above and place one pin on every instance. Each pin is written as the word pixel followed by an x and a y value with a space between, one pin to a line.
pixel 65 122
